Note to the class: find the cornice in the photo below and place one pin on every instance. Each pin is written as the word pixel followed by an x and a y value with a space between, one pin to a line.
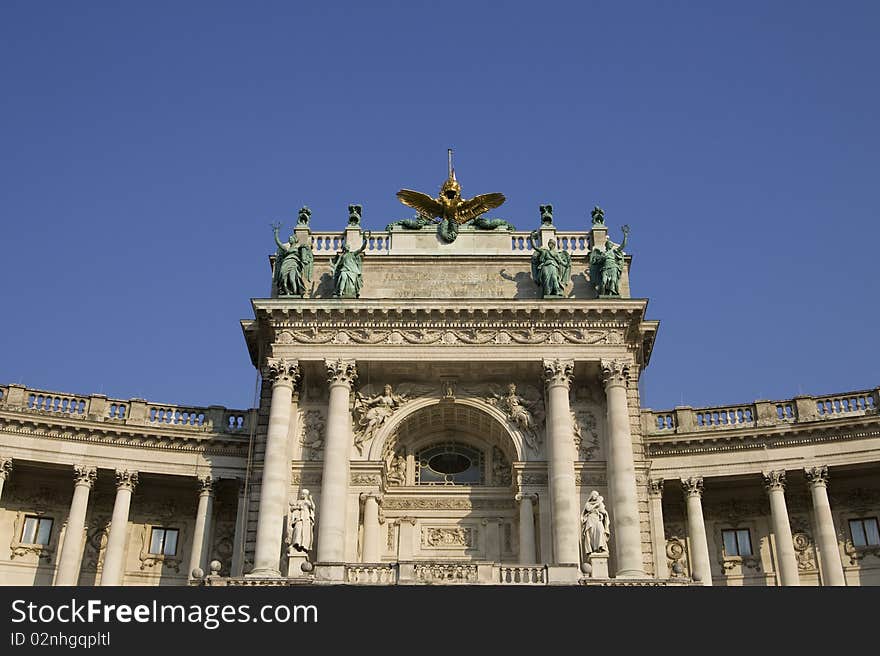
pixel 120 435
pixel 771 437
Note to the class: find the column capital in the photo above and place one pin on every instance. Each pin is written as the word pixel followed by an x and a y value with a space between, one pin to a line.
pixel 282 371
pixel 340 371
pixel 126 480
pixel 615 372
pixel 774 480
pixel 205 484
pixel 558 372
pixel 531 496
pixel 693 486
pixel 378 496
pixel 84 475
pixel 816 475
pixel 5 468
pixel 655 487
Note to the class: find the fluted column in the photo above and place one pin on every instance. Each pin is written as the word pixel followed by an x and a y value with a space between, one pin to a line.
pixel 71 550
pixel 114 554
pixel 238 540
pixel 564 510
pixel 829 552
pixel 371 550
pixel 625 529
pixel 527 552
pixel 198 558
pixel 774 482
pixel 658 535
pixel 5 471
pixel 337 447
pixel 274 491
pixel 701 569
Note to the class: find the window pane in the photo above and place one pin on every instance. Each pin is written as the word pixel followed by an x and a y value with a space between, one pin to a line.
pixel 729 542
pixel 156 540
pixel 170 542
pixel 872 532
pixel 30 530
pixel 858 532
pixel 44 531
pixel 744 542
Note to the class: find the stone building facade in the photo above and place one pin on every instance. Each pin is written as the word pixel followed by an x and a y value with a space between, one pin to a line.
pixel 449 425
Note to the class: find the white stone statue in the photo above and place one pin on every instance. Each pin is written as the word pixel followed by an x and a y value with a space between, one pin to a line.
pixel 302 522
pixel 595 526
pixel 372 411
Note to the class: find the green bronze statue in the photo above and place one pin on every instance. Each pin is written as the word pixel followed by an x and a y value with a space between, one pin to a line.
pixel 598 215
pixel 347 266
pixel 418 222
pixel 551 268
pixel 606 266
pixel 293 266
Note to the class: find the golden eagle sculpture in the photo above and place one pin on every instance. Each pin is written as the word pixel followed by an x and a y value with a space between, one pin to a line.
pixel 449 209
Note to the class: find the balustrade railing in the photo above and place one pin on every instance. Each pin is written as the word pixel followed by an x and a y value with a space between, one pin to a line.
pixel 445 573
pixel 371 574
pixel 381 243
pixel 801 409
pixel 523 574
pixel 130 412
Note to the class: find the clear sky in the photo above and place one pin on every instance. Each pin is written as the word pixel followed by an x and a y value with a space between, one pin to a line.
pixel 147 146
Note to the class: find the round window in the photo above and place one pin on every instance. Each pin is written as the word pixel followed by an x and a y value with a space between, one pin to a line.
pixel 450 463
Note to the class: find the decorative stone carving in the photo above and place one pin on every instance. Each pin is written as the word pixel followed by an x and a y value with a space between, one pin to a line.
pixel 615 372
pixel 365 479
pixel 126 479
pixel 447 537
pixel 395 469
pixel 558 372
pixel 206 484
pixel 341 371
pixel 501 472
pixel 312 434
pixel 440 503
pixel 301 530
pixel 816 475
pixel 5 468
pixel 83 475
pixel 676 550
pixel 774 480
pixel 445 573
pixel 692 486
pixel 97 532
pixel 590 478
pixel 586 434
pixel 804 548
pixel 471 336
pixel 529 478
pixel 655 487
pixel 595 525
pixel 282 371
pixel 306 478
pixel 371 413
pixel 524 413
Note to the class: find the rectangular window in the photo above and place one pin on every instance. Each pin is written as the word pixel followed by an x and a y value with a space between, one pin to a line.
pixel 163 541
pixel 737 542
pixel 37 530
pixel 865 532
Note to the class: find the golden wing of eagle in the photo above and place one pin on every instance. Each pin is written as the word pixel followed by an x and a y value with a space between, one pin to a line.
pixel 473 207
pixel 420 202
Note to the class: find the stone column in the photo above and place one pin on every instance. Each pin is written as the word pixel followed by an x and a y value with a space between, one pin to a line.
pixel 198 558
pixel 527 552
pixel 5 471
pixel 238 540
pixel 71 550
pixel 114 554
pixel 625 529
pixel 337 448
pixel 829 552
pixel 701 569
pixel 564 510
pixel 274 491
pixel 372 541
pixel 774 481
pixel 658 535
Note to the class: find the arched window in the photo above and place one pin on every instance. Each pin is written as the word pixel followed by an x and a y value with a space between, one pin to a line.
pixel 449 463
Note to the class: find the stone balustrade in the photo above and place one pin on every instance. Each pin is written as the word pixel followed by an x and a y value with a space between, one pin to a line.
pixel 798 410
pixel 381 243
pixel 130 412
pixel 366 574
pixel 522 574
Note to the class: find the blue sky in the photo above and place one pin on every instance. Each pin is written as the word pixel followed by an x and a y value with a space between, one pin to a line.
pixel 148 146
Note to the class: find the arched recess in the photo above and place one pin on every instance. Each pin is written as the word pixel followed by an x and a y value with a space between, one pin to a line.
pixel 430 415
